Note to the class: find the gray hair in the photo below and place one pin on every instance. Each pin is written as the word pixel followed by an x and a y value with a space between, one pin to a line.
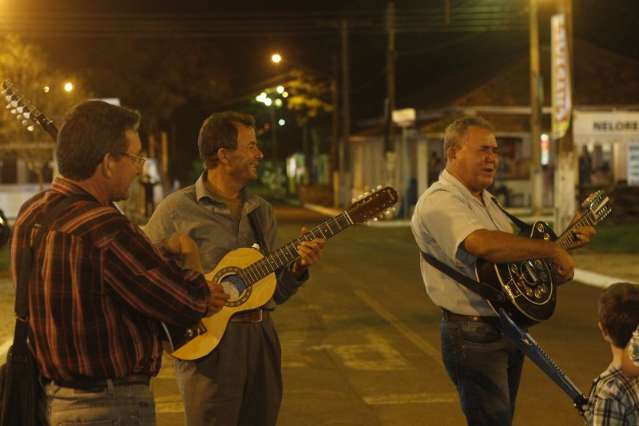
pixel 458 128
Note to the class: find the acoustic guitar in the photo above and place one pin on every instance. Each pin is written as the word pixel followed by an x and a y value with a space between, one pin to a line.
pixel 253 276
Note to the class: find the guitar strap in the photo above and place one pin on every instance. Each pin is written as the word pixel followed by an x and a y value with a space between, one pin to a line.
pixel 254 220
pixel 523 226
pixel 483 290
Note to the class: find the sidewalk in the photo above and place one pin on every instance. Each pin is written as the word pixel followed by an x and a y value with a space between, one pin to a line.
pixel 595 269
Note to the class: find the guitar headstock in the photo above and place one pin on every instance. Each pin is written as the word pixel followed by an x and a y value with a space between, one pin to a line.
pixel 372 205
pixel 25 112
pixel 596 206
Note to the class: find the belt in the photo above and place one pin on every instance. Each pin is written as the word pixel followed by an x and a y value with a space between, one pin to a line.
pixel 100 385
pixel 251 316
pixel 451 316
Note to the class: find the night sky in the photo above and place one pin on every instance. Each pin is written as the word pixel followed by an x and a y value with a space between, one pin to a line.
pixel 231 42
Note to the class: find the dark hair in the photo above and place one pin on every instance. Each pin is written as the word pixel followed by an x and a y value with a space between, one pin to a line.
pixel 91 130
pixel 220 131
pixel 458 128
pixel 619 312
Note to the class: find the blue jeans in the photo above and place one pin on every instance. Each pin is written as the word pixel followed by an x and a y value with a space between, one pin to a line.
pixel 485 367
pixel 130 405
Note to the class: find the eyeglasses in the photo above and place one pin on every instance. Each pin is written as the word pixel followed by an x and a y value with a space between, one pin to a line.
pixel 137 159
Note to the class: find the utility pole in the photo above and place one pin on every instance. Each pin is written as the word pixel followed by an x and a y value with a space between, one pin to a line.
pixel 567 164
pixel 535 111
pixel 344 153
pixel 389 106
pixel 335 122
pixel 390 76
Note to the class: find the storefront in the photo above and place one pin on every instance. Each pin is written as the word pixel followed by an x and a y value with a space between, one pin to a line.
pixel 608 145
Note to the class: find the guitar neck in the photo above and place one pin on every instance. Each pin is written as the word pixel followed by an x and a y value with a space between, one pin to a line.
pixel 567 240
pixel 288 253
pixel 537 355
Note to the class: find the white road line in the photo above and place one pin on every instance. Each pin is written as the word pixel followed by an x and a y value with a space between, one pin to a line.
pixel 594 279
pixel 5 347
pixel 411 398
pixel 409 334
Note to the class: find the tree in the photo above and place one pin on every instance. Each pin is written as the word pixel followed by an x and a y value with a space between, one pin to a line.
pixel 28 68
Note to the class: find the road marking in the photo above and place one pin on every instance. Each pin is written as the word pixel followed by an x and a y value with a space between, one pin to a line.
pixel 594 279
pixel 377 355
pixel 411 398
pixel 409 334
pixel 5 347
pixel 169 404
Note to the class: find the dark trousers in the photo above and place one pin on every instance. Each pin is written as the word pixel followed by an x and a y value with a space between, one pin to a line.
pixel 485 368
pixel 239 383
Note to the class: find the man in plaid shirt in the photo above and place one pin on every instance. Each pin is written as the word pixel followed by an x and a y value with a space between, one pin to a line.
pixel 614 397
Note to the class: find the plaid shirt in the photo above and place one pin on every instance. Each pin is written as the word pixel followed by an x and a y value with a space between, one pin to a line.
pixel 613 400
pixel 98 289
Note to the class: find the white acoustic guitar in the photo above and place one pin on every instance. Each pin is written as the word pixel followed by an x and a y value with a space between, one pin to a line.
pixel 253 277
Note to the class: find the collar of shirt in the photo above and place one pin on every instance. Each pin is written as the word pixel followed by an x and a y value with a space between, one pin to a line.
pixel 448 178
pixel 68 187
pixel 202 192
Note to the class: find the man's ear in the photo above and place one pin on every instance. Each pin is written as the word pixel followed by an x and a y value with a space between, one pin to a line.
pixel 222 156
pixel 107 166
pixel 604 334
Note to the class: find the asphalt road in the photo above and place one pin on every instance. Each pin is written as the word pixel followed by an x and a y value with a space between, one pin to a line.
pixel 361 343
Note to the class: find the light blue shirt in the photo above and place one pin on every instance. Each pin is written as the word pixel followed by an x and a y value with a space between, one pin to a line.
pixel 444 216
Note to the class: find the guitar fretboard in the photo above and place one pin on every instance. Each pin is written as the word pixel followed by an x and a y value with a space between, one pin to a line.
pixel 568 239
pixel 288 253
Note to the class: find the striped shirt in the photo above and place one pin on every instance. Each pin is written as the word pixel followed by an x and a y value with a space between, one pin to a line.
pixel 98 289
pixel 613 400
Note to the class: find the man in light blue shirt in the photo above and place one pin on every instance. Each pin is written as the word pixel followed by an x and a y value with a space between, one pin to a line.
pixel 457 221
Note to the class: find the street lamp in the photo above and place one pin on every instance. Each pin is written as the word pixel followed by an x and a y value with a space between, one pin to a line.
pixel 68 87
pixel 276 58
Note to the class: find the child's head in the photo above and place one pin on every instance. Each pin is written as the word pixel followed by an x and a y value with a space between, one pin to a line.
pixel 619 312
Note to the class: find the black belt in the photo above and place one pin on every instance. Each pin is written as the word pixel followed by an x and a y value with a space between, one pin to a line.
pixel 451 316
pixel 100 385
pixel 250 316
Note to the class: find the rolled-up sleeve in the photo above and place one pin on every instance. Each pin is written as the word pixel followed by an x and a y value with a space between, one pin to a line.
pixel 448 219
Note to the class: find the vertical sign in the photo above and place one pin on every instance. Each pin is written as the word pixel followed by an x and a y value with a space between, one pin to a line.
pixel 561 96
pixel 633 163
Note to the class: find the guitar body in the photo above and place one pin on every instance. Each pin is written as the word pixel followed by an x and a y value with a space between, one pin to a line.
pixel 199 340
pixel 529 286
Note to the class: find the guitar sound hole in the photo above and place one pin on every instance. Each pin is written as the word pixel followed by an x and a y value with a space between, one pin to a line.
pixel 235 287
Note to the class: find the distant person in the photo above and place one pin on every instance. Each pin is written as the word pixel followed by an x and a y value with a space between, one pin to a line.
pixel 240 381
pixel 98 289
pixel 614 397
pixel 149 180
pixel 585 166
pixel 434 167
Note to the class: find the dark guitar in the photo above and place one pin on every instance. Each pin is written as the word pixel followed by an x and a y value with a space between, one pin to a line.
pixel 529 285
pixel 537 355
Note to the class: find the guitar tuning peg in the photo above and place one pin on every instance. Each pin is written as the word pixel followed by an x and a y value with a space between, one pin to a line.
pixel 375 219
pixel 25 123
pixel 30 128
pixel 26 115
pixel 9 104
pixel 13 111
